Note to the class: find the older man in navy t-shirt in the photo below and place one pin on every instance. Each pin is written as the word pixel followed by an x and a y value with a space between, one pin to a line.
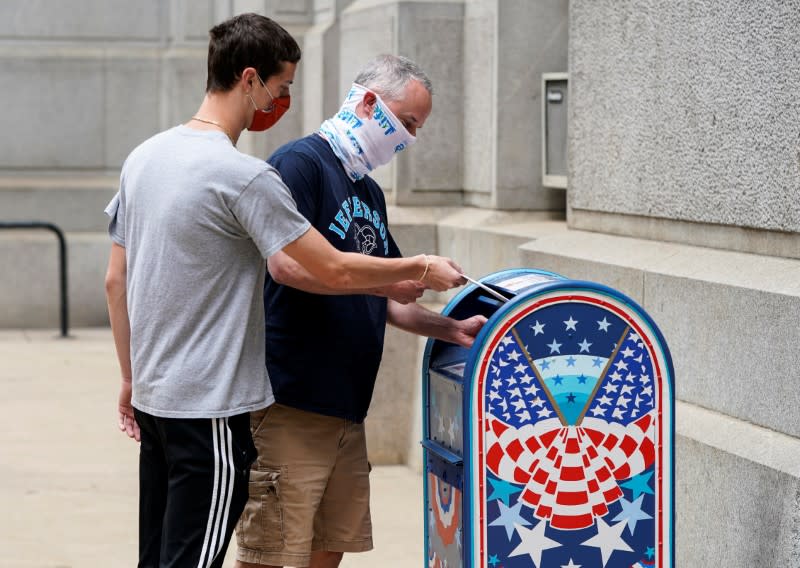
pixel 309 496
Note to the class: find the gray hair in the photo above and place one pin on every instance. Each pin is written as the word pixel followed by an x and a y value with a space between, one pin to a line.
pixel 388 75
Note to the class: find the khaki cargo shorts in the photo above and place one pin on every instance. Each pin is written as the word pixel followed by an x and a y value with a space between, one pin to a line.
pixel 309 488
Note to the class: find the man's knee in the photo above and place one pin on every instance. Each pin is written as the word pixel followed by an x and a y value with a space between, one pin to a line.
pixel 325 559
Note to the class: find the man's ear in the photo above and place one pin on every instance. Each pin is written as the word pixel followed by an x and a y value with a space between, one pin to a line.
pixel 369 101
pixel 248 78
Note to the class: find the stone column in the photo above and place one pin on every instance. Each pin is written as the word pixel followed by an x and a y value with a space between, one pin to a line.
pixel 508 45
pixel 430 33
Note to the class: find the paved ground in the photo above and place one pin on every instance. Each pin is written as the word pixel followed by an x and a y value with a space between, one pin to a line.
pixel 68 484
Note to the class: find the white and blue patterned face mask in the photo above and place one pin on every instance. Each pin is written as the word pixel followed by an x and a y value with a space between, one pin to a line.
pixel 363 144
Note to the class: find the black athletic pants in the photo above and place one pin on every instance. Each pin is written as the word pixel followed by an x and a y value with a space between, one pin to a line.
pixel 193 483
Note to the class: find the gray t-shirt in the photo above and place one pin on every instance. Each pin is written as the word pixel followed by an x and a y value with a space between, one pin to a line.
pixel 197 218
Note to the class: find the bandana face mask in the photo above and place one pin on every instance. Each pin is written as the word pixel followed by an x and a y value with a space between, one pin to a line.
pixel 363 144
pixel 266 118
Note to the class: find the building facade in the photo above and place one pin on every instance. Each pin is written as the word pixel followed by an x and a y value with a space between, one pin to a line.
pixel 683 178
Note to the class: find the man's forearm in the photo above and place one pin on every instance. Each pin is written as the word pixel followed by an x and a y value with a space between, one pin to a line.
pixel 416 319
pixel 120 329
pixel 117 299
pixel 285 270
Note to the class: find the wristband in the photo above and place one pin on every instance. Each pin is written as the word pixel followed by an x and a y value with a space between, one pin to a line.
pixel 427 265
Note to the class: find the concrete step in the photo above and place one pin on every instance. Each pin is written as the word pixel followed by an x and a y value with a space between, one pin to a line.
pixel 736 492
pixel 29 279
pixel 71 203
pixel 730 318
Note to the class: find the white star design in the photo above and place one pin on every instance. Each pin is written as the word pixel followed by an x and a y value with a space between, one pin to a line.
pixel 598 411
pixel 618 414
pixel 571 565
pixel 524 416
pixel 608 539
pixel 610 387
pixel 538 328
pixel 603 400
pixel 634 337
pixel 525 379
pixel 492 396
pixel 648 390
pixel 532 390
pixel 554 347
pixel 627 389
pixel 537 402
pixel 645 379
pixel 520 368
pixel 584 345
pixel 518 404
pixel 506 340
pixel 533 543
pixel 620 365
pixel 515 392
pixel 514 355
pixel 496 383
pixel 603 325
pixel 451 432
pixel 544 413
pixel 615 376
pixel 571 323
pixel 623 401
pixel 628 352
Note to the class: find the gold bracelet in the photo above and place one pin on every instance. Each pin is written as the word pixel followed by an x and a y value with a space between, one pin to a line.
pixel 427 265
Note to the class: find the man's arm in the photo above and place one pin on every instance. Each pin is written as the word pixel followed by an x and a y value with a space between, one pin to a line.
pixel 117 298
pixel 416 319
pixel 354 271
pixel 285 270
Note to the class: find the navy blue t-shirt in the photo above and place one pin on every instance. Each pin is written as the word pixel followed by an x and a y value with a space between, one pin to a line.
pixel 323 352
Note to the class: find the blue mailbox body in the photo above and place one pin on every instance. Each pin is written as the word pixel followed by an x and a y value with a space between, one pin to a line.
pixel 550 442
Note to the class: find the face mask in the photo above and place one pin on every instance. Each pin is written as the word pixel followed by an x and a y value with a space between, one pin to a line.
pixel 360 144
pixel 263 119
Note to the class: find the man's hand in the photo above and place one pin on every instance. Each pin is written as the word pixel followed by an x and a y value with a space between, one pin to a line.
pixel 127 422
pixel 442 274
pixel 467 330
pixel 405 292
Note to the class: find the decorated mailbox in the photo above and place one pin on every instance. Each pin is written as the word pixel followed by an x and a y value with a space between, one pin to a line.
pixel 549 443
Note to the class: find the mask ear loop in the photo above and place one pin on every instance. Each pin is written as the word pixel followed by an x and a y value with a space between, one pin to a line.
pixel 271 106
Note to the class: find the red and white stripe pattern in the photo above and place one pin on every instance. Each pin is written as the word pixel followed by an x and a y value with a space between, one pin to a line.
pixel 570 473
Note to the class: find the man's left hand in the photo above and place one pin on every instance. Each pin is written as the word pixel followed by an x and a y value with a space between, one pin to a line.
pixel 405 292
pixel 467 330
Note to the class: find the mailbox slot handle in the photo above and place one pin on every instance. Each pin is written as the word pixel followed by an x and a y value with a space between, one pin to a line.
pixel 442 452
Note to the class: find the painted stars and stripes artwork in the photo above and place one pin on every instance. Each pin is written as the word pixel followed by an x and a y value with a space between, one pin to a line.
pixel 570 416
pixel 444 524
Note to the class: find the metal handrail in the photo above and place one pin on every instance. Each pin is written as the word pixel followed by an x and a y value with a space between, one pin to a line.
pixel 62 242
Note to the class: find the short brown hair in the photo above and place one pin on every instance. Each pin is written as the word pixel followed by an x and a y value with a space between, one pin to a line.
pixel 247 40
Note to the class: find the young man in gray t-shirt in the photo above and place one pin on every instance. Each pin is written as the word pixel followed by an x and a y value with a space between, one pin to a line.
pixel 191 226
